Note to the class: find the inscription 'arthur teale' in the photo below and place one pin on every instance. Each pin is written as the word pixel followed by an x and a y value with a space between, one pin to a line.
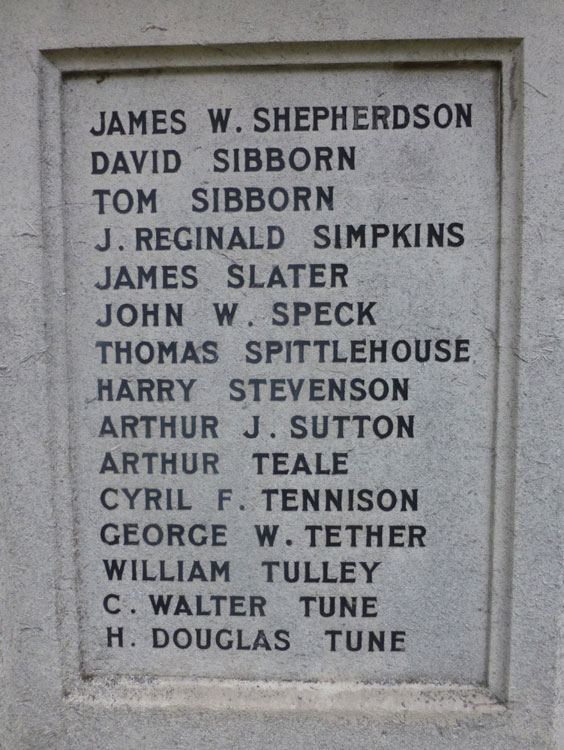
pixel 271 449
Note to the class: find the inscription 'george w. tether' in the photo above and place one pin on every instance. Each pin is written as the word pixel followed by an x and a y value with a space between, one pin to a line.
pixel 281 298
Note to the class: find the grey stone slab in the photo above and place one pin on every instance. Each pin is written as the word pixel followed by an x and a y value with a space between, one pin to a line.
pixel 443 231
pixel 374 403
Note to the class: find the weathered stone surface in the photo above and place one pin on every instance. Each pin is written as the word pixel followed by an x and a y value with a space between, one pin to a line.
pixel 281 377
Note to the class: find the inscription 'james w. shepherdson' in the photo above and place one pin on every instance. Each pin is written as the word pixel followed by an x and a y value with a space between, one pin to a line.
pixel 270 449
pixel 287 119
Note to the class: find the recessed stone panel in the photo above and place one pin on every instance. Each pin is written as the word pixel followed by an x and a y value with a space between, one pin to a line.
pixel 282 287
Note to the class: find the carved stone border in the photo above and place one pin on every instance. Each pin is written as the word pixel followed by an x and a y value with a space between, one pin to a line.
pixel 404 702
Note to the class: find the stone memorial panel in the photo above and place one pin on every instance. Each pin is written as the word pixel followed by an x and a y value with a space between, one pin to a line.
pixel 282 290
pixel 280 375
